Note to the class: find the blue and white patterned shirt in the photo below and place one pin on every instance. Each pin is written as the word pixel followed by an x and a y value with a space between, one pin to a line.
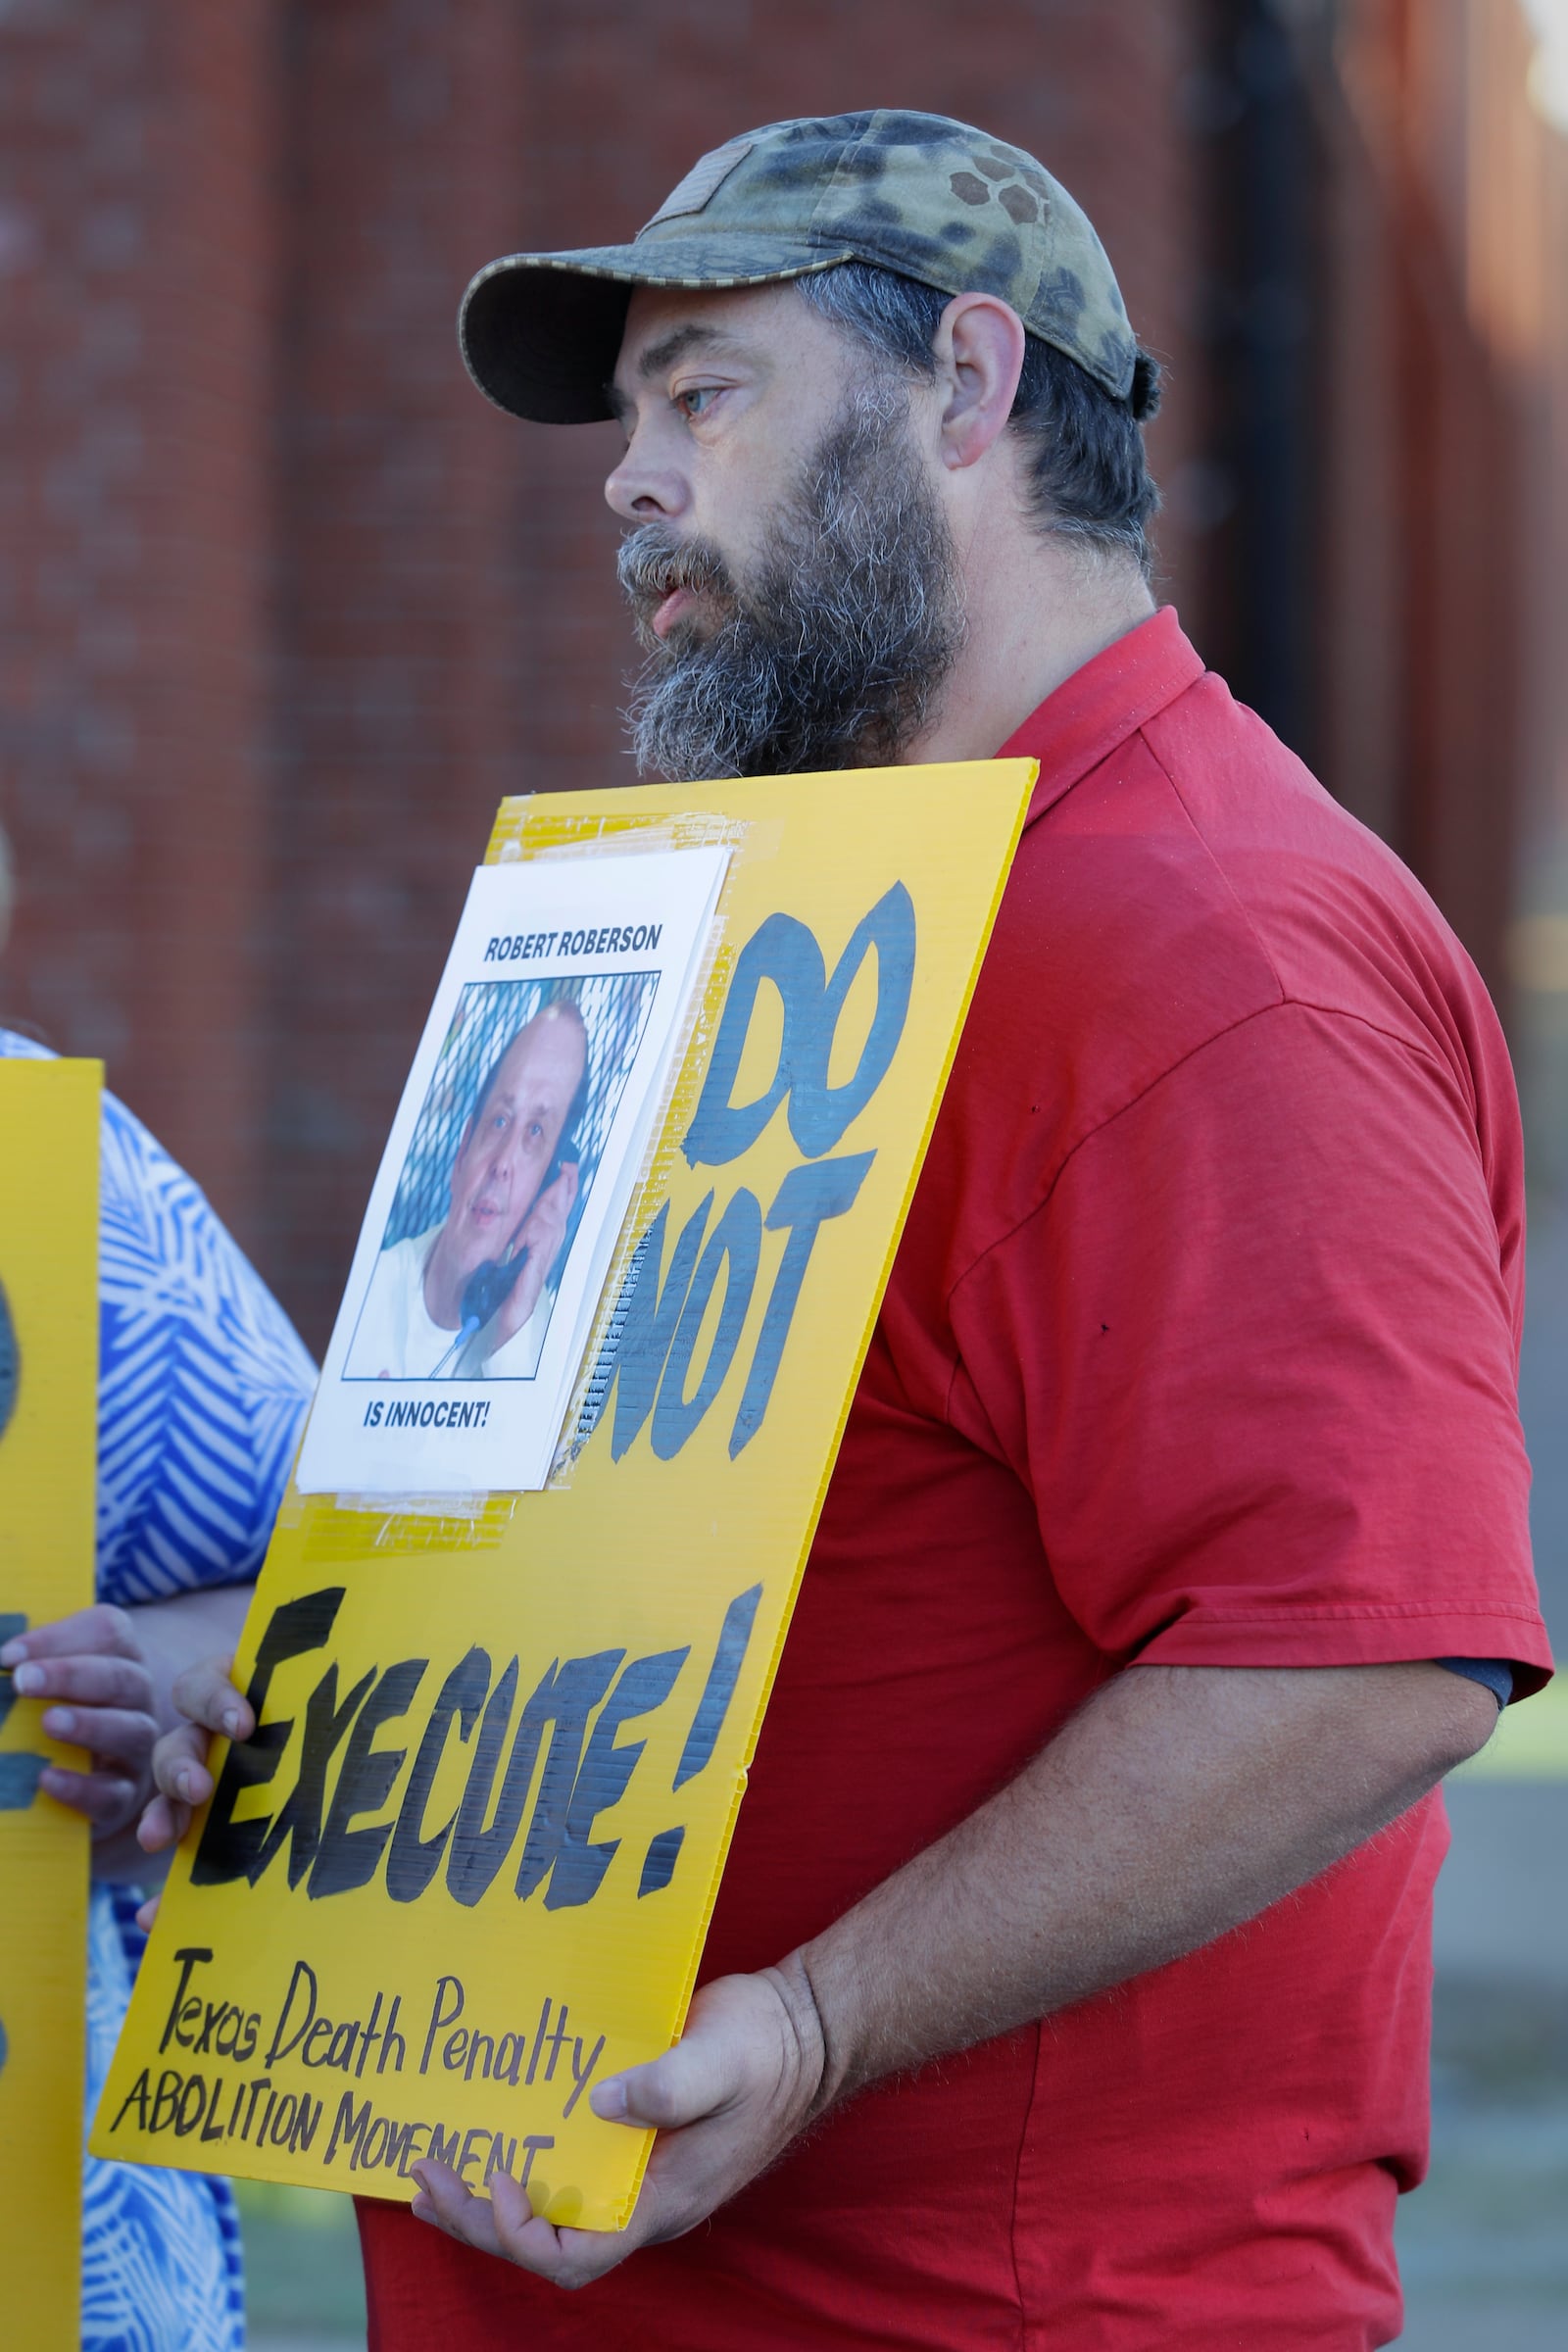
pixel 203 1385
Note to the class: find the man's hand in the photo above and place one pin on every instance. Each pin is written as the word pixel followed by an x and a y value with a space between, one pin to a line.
pixel 726 2101
pixel 541 1233
pixel 91 1668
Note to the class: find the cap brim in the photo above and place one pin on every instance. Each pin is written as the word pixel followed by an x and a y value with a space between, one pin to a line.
pixel 540 333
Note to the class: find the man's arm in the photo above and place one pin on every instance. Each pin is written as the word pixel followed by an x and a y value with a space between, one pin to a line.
pixel 1180 1802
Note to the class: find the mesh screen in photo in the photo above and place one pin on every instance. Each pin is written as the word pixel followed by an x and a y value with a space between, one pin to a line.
pixel 614 1009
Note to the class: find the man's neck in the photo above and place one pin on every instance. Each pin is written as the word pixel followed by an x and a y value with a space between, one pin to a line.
pixel 1032 621
pixel 443 1285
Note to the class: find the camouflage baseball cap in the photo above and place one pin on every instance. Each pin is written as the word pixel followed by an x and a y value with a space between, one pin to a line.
pixel 917 193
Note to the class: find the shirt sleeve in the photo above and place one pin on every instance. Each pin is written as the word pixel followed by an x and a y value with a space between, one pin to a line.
pixel 1493 1673
pixel 1254 1358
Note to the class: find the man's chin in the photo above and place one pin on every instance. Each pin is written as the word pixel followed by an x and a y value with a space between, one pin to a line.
pixel 691 632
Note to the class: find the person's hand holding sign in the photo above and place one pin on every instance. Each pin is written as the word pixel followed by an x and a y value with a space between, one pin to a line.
pixel 90 1670
pixel 726 2101
pixel 206 1702
pixel 111 1678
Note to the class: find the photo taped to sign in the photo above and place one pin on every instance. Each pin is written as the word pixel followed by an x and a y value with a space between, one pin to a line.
pixel 498 1175
pixel 507 1172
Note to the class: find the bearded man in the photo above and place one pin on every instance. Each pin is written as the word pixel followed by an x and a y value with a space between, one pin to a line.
pixel 1069 1978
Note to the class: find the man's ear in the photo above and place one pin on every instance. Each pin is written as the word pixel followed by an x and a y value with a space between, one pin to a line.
pixel 979 350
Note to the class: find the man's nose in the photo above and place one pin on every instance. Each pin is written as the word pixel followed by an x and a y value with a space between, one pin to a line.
pixel 646 488
pixel 509 1153
pixel 500 1157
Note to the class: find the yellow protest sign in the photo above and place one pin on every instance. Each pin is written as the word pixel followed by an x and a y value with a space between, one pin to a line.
pixel 465 1866
pixel 48 1439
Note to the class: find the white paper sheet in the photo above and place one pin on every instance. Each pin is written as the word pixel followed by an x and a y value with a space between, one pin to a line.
pixel 508 1173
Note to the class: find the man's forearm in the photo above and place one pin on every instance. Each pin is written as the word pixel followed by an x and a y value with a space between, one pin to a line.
pixel 1178 1803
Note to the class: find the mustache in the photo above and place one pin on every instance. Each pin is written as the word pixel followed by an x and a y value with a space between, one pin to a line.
pixel 653 561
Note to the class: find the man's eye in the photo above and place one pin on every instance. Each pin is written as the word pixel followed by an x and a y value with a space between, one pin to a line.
pixel 695 401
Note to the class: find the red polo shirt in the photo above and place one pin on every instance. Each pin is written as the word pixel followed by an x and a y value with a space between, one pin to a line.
pixel 1199 1348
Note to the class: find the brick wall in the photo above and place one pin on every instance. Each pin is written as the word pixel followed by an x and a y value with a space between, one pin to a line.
pixel 287 608
pixel 399 720
pixel 137 273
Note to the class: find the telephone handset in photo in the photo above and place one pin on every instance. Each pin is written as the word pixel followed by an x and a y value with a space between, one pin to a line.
pixel 491 1283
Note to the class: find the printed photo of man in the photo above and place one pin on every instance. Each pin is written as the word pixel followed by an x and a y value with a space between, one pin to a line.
pixel 468 1298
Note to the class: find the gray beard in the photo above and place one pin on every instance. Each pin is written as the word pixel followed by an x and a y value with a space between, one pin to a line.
pixel 834 651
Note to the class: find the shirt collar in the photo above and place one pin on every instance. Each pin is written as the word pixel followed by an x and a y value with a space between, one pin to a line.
pixel 1101 704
